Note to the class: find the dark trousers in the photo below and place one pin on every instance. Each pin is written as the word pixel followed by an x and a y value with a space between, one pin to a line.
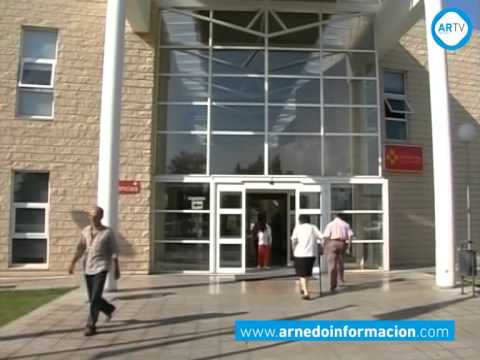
pixel 95 284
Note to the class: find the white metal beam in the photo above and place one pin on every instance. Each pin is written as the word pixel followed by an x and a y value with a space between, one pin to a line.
pixel 290 6
pixel 394 19
pixel 138 15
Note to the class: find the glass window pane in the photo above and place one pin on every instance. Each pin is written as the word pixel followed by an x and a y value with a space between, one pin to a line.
pixel 29 251
pixel 350 120
pixel 397 105
pixel 37 74
pixel 293 20
pixel 354 64
pixel 182 226
pixel 347 32
pixel 33 103
pixel 289 118
pixel 315 219
pixel 295 155
pixel 307 38
pixel 396 130
pixel 294 63
pixel 179 88
pixel 354 92
pixel 39 44
pixel 225 35
pixel 238 89
pixel 334 64
pixel 182 257
pixel 390 114
pixel 365 256
pixel 31 187
pixel 310 200
pixel 181 154
pixel 230 226
pixel 230 255
pixel 29 220
pixel 179 29
pixel 356 197
pixel 241 154
pixel 351 155
pixel 393 82
pixel 179 61
pixel 294 91
pixel 179 196
pixel 238 62
pixel 231 200
pixel 182 117
pixel 238 118
pixel 362 64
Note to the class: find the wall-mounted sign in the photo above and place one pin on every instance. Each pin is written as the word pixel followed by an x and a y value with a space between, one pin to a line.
pixel 197 202
pixel 404 158
pixel 128 187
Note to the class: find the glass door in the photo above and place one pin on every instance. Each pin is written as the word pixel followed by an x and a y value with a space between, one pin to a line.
pixel 309 200
pixel 230 229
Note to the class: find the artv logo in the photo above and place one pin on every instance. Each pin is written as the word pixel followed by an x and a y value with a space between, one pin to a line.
pixel 452 28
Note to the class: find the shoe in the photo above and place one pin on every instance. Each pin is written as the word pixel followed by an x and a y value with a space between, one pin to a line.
pixel 333 290
pixel 301 292
pixel 109 315
pixel 90 331
pixel 306 297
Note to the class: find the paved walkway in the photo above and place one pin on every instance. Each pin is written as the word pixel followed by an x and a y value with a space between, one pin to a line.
pixel 191 317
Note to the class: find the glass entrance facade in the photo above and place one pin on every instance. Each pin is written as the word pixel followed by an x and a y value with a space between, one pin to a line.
pixel 256 94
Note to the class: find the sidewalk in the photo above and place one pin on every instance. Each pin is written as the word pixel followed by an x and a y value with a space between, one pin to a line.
pixel 191 317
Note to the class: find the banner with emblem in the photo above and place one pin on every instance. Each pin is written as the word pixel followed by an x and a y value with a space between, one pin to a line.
pixel 404 158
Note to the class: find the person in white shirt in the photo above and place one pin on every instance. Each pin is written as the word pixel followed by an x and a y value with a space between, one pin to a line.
pixel 304 245
pixel 263 236
pixel 339 239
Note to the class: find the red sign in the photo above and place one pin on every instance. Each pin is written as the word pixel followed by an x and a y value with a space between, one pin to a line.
pixel 128 187
pixel 404 158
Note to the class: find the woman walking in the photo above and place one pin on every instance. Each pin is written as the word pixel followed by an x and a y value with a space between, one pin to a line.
pixel 263 237
pixel 304 245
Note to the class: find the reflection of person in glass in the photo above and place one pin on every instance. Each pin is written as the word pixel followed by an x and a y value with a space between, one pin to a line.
pixel 339 235
pixel 262 234
pixel 304 245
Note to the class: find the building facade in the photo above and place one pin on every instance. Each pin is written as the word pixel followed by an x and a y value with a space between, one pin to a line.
pixel 227 110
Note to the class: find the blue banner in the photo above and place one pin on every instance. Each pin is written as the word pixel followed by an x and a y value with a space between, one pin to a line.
pixel 345 330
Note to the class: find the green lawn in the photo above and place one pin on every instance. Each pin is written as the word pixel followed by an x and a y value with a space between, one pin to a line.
pixel 15 303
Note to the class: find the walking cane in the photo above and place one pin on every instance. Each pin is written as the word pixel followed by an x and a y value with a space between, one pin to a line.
pixel 320 269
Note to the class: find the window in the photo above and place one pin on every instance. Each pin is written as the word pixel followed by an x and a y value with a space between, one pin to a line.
pixel 396 105
pixel 182 226
pixel 260 92
pixel 36 74
pixel 30 214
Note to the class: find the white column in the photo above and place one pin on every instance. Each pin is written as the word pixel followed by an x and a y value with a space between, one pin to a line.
pixel 108 161
pixel 442 154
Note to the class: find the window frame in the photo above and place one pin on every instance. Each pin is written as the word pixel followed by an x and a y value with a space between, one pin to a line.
pixel 29 235
pixel 36 88
pixel 385 105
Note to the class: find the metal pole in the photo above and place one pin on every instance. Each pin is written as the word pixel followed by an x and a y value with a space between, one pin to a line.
pixel 469 219
pixel 108 162
pixel 442 154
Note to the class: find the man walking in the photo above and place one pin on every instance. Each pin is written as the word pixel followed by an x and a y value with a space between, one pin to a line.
pixel 98 244
pixel 337 233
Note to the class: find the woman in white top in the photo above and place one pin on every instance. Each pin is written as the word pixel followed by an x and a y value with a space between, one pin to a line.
pixel 263 235
pixel 304 245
